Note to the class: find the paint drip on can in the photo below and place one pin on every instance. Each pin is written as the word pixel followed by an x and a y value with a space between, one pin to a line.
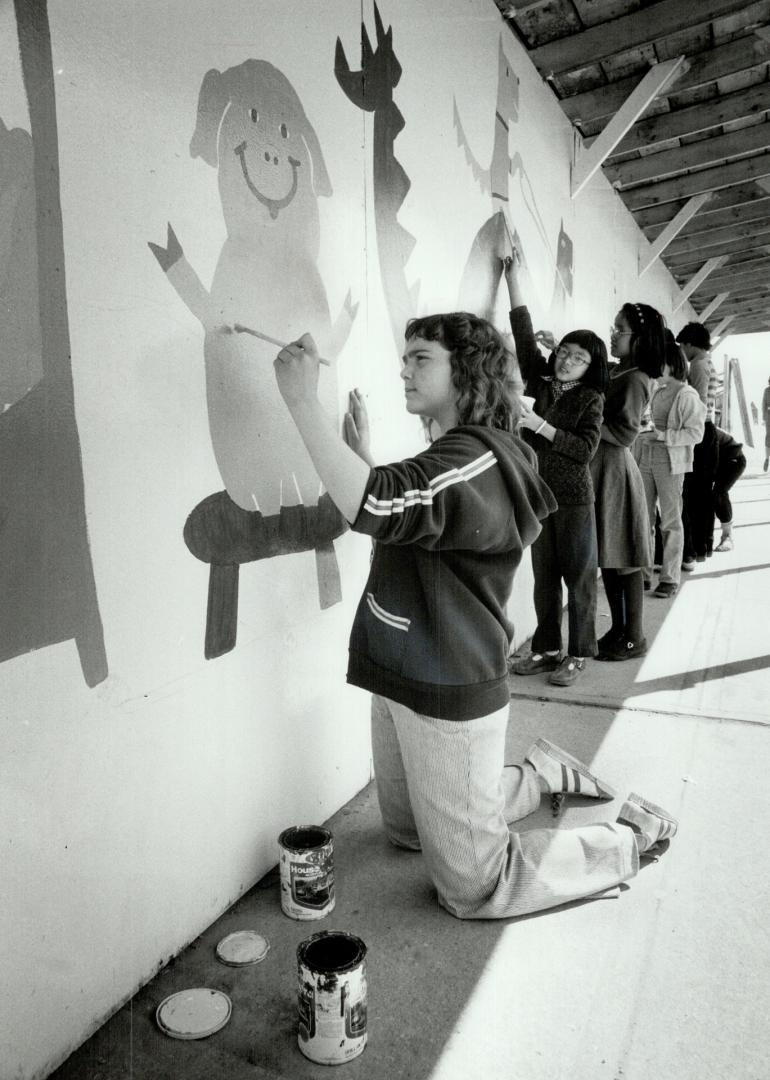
pixel 331 974
pixel 307 872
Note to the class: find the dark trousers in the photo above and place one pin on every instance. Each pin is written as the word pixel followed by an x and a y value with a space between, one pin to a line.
pixel 566 551
pixel 697 510
pixel 727 473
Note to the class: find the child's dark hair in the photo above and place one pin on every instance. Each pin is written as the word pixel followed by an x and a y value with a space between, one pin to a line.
pixel 482 367
pixel 676 361
pixel 695 333
pixel 597 373
pixel 648 342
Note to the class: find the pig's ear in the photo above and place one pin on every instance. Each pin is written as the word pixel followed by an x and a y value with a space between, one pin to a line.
pixel 212 102
pixel 322 185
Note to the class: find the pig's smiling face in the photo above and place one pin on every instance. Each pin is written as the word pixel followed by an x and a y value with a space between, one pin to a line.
pixel 268 146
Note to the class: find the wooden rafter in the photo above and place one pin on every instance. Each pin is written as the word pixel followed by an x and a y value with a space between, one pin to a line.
pixel 687 290
pixel 694 155
pixel 628 32
pixel 720 329
pixel 657 248
pixel 739 281
pixel 706 67
pixel 737 194
pixel 740 214
pixel 736 172
pixel 588 161
pixel 711 308
pixel 709 237
pixel 731 247
pixel 697 118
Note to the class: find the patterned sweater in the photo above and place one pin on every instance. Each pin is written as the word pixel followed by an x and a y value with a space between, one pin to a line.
pixel 451 526
pixel 576 414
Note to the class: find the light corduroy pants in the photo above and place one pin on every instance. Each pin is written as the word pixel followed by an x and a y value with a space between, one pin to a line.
pixel 443 788
pixel 666 487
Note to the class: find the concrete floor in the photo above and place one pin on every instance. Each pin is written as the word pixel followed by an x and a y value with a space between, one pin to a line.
pixel 666 982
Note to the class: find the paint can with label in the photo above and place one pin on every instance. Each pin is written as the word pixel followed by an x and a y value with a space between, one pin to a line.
pixel 307 872
pixel 331 975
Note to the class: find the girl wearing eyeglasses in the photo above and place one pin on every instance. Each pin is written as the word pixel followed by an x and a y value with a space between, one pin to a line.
pixel 622 524
pixel 564 427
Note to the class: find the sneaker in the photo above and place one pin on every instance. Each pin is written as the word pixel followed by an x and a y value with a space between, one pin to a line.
pixel 567 672
pixel 625 649
pixel 653 826
pixel 700 558
pixel 564 774
pixel 688 565
pixel 530 665
pixel 666 589
pixel 725 544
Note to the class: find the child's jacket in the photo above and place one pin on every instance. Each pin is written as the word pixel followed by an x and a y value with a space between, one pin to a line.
pixel 451 525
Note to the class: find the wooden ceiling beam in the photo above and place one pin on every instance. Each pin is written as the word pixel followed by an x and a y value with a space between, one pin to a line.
pixel 654 216
pixel 682 187
pixel 692 156
pixel 628 32
pixel 711 308
pixel 703 240
pixel 701 297
pixel 697 118
pixel 736 281
pixel 738 249
pixel 731 247
pixel 710 219
pixel 757 306
pixel 760 327
pixel 719 330
pixel 687 290
pixel 743 54
pixel 746 299
pixel 586 162
pixel 739 55
pixel 656 249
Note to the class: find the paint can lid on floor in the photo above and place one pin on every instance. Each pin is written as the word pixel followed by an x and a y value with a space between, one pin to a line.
pixel 193 1014
pixel 243 947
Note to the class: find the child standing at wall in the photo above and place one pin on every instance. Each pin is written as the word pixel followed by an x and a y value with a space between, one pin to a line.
pixel 564 427
pixel 665 455
pixel 430 637
pixel 622 527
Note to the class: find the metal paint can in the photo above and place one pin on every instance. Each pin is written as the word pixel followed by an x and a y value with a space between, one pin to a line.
pixel 331 978
pixel 307 872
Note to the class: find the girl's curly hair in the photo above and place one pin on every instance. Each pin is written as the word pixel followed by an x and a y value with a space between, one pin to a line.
pixel 482 367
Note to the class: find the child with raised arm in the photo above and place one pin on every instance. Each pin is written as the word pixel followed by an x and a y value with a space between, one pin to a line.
pixel 430 637
pixel 563 426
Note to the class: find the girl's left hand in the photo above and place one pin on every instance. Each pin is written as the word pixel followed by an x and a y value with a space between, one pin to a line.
pixel 296 369
pixel 355 429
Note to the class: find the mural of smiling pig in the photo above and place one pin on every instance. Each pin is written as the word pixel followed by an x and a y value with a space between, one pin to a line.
pixel 252 127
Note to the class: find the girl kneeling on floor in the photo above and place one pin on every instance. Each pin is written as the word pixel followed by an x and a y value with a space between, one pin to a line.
pixel 430 637
pixel 564 427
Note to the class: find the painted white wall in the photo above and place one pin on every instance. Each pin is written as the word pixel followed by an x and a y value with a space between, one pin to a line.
pixel 134 813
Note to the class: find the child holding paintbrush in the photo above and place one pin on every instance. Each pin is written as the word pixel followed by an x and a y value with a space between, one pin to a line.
pixel 430 637
pixel 564 427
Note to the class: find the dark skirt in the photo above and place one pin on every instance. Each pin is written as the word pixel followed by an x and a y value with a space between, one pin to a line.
pixel 622 524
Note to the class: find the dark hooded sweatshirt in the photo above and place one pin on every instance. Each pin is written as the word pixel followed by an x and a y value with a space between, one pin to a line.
pixel 451 525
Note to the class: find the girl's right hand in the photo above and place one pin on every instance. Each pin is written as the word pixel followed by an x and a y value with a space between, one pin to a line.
pixel 512 265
